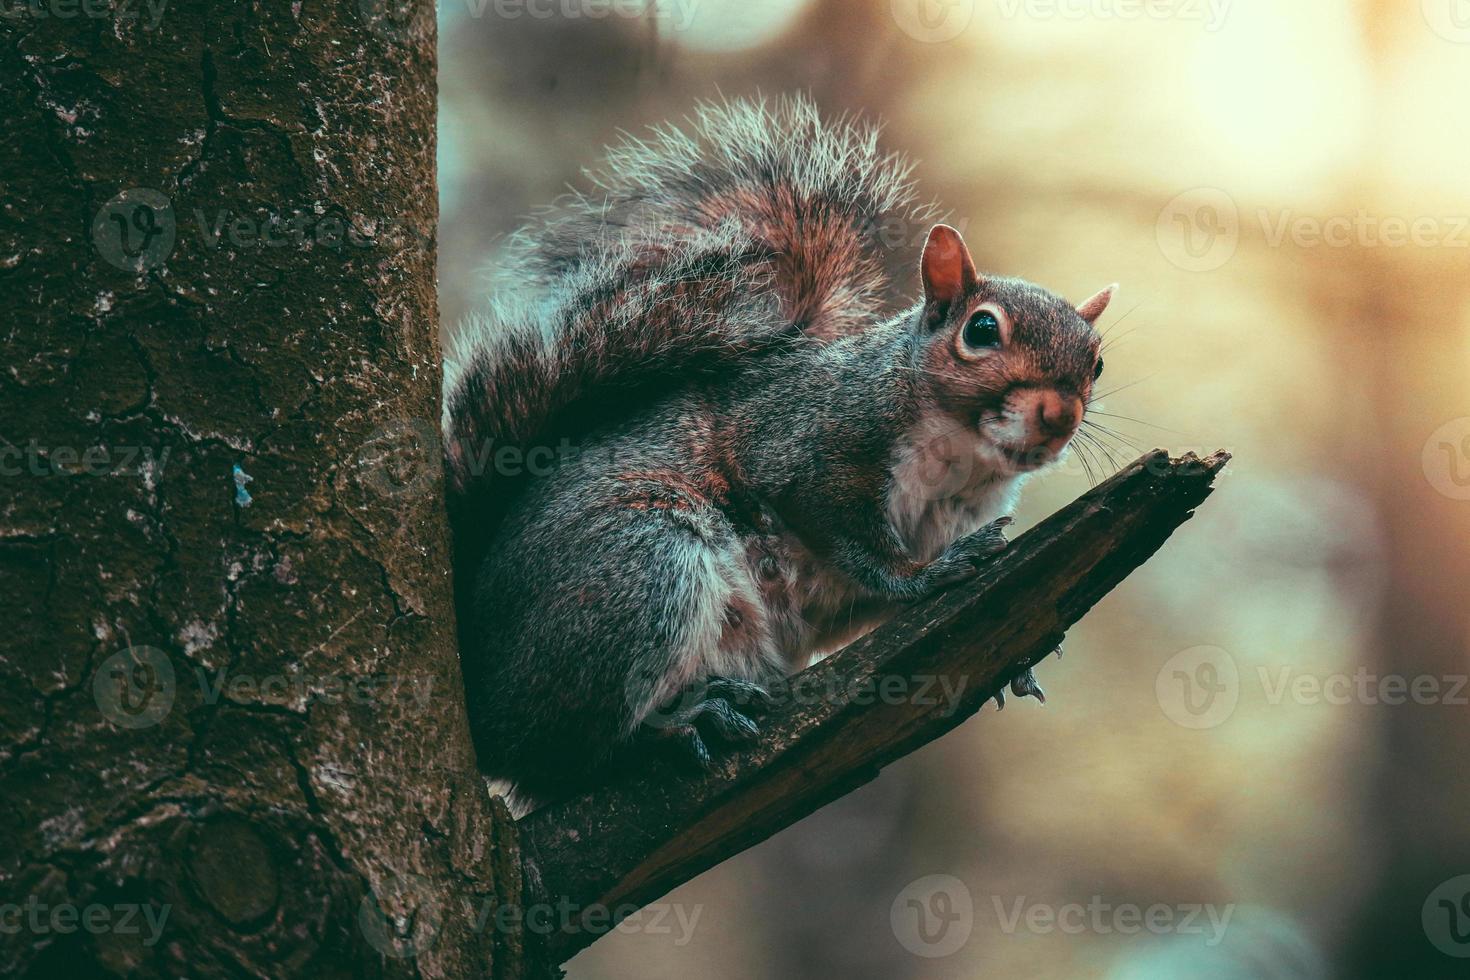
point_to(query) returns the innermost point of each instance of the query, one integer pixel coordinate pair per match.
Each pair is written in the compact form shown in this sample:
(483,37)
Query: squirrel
(689,448)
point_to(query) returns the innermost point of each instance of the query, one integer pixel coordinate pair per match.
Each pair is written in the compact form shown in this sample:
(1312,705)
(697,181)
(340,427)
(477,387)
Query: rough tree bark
(231,729)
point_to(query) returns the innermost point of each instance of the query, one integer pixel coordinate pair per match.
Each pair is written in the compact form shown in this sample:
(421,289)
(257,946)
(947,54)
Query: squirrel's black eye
(983,330)
(1097,371)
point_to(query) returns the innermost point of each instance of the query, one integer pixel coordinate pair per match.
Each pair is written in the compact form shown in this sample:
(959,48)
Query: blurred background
(1253,761)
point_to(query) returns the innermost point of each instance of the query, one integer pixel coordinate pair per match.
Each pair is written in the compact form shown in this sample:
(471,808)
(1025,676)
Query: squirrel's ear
(948,270)
(1093,307)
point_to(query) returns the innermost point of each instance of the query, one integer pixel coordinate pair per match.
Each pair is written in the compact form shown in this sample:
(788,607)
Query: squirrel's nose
(1059,414)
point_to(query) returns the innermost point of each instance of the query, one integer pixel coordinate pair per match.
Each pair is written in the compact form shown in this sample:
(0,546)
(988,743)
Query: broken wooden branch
(603,855)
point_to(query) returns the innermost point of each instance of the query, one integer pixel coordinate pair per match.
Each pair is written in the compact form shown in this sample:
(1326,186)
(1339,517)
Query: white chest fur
(944,487)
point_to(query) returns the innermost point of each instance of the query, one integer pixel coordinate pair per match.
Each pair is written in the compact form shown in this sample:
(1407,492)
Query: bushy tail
(760,224)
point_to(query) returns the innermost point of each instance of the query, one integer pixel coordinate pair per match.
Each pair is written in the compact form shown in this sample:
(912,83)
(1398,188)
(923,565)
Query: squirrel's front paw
(963,559)
(715,710)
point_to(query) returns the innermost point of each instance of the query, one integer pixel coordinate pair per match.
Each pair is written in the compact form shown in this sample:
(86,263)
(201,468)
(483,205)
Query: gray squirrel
(688,448)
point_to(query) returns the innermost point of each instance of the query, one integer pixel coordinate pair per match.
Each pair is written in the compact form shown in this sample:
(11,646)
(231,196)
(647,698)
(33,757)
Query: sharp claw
(727,723)
(1024,685)
(693,746)
(1058,651)
(1000,699)
(746,694)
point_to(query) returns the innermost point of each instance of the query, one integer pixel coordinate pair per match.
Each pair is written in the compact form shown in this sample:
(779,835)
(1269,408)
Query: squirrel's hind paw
(720,715)
(749,696)
(1023,685)
(690,745)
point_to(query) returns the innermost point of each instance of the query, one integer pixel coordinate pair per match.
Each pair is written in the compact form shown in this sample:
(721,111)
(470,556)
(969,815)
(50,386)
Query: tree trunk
(231,725)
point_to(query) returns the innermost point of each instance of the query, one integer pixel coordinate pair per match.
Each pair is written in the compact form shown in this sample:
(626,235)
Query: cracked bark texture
(252,319)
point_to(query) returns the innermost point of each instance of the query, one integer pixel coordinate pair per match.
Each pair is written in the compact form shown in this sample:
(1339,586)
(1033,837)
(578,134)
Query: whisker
(1112,433)
(1117,464)
(1085,457)
(1082,459)
(1096,447)
(1090,463)
(1122,447)
(1106,394)
(1125,418)
(1114,325)
(1109,343)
